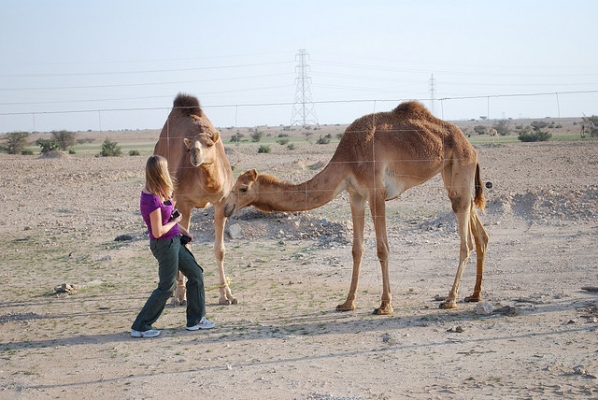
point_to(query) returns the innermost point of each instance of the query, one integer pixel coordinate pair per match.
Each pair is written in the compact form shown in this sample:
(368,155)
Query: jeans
(172,257)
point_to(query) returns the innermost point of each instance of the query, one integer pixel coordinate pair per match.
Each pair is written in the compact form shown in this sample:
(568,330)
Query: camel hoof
(234,301)
(178,302)
(224,302)
(383,311)
(447,305)
(473,299)
(345,307)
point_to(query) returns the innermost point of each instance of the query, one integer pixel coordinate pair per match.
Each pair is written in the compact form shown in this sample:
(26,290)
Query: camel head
(201,147)
(243,194)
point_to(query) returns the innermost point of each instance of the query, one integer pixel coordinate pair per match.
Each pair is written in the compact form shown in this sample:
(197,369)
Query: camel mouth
(229,210)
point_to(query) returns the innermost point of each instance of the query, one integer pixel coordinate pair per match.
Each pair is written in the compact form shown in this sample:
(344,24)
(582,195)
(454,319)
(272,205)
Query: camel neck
(278,195)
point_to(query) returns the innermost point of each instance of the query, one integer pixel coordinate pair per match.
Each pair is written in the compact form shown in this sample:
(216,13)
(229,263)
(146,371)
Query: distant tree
(65,139)
(591,124)
(264,149)
(480,129)
(15,142)
(502,127)
(256,136)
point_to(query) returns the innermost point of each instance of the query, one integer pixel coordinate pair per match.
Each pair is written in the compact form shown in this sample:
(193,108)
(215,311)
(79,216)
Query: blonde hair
(157,177)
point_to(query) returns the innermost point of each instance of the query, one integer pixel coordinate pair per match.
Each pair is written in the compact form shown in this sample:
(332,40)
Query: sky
(118,65)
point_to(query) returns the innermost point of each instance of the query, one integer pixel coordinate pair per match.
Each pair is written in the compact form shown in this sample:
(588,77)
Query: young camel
(202,173)
(379,157)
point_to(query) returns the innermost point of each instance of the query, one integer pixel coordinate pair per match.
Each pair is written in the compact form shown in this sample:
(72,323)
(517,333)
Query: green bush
(264,149)
(110,149)
(282,141)
(47,145)
(15,142)
(535,136)
(133,153)
(291,146)
(27,152)
(323,140)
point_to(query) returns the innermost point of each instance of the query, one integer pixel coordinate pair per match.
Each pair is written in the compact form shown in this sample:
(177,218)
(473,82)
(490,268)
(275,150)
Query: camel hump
(187,105)
(411,109)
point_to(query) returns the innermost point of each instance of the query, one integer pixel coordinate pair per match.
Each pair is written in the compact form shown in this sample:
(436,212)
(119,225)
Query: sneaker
(203,324)
(146,334)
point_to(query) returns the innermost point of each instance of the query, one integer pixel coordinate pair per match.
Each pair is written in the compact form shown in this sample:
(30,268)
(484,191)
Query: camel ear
(252,173)
(186,141)
(216,136)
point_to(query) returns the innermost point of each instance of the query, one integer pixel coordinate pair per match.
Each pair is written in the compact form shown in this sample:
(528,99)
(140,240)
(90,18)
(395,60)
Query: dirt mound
(547,204)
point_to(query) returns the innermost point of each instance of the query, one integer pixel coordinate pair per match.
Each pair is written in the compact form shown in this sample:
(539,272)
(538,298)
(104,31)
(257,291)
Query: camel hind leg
(481,244)
(458,179)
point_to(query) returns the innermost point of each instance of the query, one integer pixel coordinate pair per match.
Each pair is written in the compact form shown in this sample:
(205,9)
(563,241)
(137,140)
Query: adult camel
(379,157)
(202,173)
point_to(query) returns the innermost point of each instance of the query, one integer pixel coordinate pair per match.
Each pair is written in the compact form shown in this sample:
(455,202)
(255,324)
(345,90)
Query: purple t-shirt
(149,203)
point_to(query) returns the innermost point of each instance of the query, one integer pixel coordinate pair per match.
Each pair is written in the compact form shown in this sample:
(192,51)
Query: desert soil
(284,340)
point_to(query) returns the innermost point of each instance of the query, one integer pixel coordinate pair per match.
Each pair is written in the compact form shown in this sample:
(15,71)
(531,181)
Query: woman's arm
(185,232)
(156,221)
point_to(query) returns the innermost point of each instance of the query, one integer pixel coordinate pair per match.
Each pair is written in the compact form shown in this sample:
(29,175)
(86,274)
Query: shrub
(26,152)
(323,140)
(15,142)
(283,141)
(535,136)
(291,146)
(47,145)
(133,153)
(110,149)
(236,137)
(264,149)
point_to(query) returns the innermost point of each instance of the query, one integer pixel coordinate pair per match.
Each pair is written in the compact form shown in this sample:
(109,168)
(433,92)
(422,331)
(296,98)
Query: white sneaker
(203,324)
(146,334)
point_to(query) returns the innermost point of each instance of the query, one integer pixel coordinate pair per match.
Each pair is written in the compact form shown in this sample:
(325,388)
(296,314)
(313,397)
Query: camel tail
(479,198)
(186,104)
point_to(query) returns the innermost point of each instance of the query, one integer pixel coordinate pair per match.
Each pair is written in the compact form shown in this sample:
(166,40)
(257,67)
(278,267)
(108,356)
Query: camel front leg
(378,210)
(358,216)
(226,296)
(180,291)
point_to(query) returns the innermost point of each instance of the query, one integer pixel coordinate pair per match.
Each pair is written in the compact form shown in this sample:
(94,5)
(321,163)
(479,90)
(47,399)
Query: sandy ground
(284,340)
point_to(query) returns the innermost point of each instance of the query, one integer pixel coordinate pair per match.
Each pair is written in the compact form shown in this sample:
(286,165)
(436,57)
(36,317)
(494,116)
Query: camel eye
(243,190)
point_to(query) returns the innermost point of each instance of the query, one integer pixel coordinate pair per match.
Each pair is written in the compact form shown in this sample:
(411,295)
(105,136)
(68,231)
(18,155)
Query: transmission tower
(432,84)
(303,106)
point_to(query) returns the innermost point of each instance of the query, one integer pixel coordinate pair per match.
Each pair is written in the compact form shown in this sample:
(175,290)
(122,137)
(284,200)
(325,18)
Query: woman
(165,242)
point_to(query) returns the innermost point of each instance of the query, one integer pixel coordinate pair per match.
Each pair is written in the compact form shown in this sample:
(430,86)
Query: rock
(235,231)
(484,308)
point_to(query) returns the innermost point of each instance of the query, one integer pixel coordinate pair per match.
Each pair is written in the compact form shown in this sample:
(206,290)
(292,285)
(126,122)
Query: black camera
(185,239)
(175,214)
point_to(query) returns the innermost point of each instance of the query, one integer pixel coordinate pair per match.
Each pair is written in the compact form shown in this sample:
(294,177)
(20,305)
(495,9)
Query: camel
(380,156)
(202,174)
